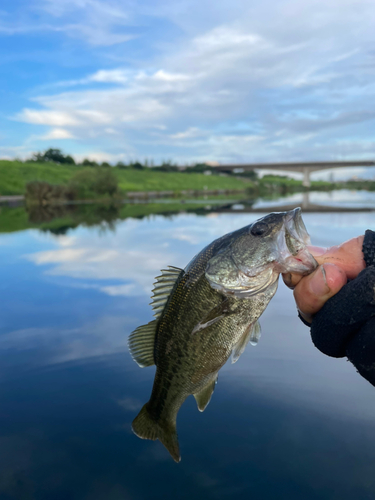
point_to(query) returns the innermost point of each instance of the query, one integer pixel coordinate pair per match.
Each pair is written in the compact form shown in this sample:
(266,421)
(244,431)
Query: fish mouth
(296,228)
(294,238)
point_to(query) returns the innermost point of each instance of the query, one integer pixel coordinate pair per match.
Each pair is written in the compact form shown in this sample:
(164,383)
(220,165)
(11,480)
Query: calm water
(284,422)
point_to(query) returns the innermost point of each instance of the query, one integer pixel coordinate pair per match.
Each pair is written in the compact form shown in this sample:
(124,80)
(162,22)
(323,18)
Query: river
(284,422)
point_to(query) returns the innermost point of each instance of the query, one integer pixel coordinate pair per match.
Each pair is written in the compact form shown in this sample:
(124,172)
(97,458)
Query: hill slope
(15,175)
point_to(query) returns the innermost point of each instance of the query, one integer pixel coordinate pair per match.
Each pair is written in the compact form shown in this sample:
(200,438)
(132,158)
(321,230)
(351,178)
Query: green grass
(147,180)
(15,175)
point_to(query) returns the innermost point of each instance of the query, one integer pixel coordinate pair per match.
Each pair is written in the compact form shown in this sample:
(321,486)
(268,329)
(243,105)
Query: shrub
(89,183)
(43,193)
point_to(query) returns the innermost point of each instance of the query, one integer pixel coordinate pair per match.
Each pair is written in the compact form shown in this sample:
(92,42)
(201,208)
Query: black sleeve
(345,326)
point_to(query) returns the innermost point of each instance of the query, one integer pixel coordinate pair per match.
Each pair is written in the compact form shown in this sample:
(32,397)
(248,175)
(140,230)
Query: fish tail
(145,427)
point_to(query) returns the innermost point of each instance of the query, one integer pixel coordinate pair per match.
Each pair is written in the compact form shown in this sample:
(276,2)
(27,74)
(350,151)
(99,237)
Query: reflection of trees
(39,214)
(58,219)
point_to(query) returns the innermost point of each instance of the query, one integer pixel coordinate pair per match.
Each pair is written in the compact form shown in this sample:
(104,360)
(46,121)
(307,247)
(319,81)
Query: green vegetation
(42,193)
(149,180)
(89,180)
(58,219)
(14,175)
(280,185)
(360,184)
(93,183)
(52,155)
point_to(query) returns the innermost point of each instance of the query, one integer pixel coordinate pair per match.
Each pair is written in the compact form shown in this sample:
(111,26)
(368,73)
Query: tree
(69,160)
(89,163)
(53,155)
(137,165)
(121,164)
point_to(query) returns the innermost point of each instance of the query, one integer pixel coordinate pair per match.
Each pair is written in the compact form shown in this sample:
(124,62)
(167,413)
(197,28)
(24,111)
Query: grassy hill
(149,180)
(15,175)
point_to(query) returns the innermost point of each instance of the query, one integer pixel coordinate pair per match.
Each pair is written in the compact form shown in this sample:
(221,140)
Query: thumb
(314,290)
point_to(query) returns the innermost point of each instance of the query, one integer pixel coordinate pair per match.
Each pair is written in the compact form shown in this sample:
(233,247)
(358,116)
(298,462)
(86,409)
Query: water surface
(284,422)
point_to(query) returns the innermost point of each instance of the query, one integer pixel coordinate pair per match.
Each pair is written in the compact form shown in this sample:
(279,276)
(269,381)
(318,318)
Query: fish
(208,312)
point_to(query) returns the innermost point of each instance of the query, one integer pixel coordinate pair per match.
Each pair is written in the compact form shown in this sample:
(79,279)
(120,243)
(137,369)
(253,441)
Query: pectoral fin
(215,315)
(251,334)
(204,396)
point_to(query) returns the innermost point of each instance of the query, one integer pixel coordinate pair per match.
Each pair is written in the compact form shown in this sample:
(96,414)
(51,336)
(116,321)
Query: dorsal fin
(203,397)
(252,334)
(141,344)
(163,287)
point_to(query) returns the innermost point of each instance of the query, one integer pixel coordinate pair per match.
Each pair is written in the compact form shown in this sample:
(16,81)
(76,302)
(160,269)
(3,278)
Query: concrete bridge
(303,167)
(246,206)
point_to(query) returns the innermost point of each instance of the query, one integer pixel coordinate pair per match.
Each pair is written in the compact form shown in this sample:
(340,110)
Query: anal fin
(204,396)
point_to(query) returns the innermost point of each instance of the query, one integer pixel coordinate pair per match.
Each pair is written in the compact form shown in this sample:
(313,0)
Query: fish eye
(259,229)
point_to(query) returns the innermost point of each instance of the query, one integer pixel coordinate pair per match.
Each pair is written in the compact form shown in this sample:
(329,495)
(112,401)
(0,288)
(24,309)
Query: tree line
(56,156)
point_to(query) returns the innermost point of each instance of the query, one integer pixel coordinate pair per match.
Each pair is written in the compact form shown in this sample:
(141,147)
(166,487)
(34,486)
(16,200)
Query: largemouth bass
(208,312)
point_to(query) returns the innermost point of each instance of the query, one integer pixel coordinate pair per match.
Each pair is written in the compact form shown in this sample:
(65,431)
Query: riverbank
(15,175)
(146,183)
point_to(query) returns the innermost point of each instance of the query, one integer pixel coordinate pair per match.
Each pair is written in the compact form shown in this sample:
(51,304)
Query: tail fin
(146,428)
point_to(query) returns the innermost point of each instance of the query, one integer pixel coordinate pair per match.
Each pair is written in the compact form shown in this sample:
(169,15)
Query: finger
(292,279)
(348,256)
(314,290)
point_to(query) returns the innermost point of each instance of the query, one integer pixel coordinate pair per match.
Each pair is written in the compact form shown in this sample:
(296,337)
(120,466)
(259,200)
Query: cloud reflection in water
(284,422)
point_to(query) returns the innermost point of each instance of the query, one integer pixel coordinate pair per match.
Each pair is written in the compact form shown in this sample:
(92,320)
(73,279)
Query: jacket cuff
(368,248)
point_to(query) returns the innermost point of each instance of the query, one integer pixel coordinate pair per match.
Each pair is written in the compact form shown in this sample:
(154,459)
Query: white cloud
(53,256)
(54,118)
(189,133)
(164,76)
(57,133)
(105,336)
(109,76)
(100,156)
(126,290)
(296,82)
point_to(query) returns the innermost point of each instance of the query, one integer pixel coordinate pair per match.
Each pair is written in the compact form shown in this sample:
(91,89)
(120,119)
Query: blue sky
(227,81)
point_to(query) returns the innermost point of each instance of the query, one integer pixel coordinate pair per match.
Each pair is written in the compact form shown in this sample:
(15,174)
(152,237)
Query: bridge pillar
(306,177)
(305,200)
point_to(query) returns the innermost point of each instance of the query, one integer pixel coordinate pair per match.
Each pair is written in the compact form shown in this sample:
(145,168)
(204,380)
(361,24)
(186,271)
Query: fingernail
(288,279)
(316,251)
(318,283)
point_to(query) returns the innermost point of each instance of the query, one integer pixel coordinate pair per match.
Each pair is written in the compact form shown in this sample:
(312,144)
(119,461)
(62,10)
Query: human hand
(337,264)
(341,313)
